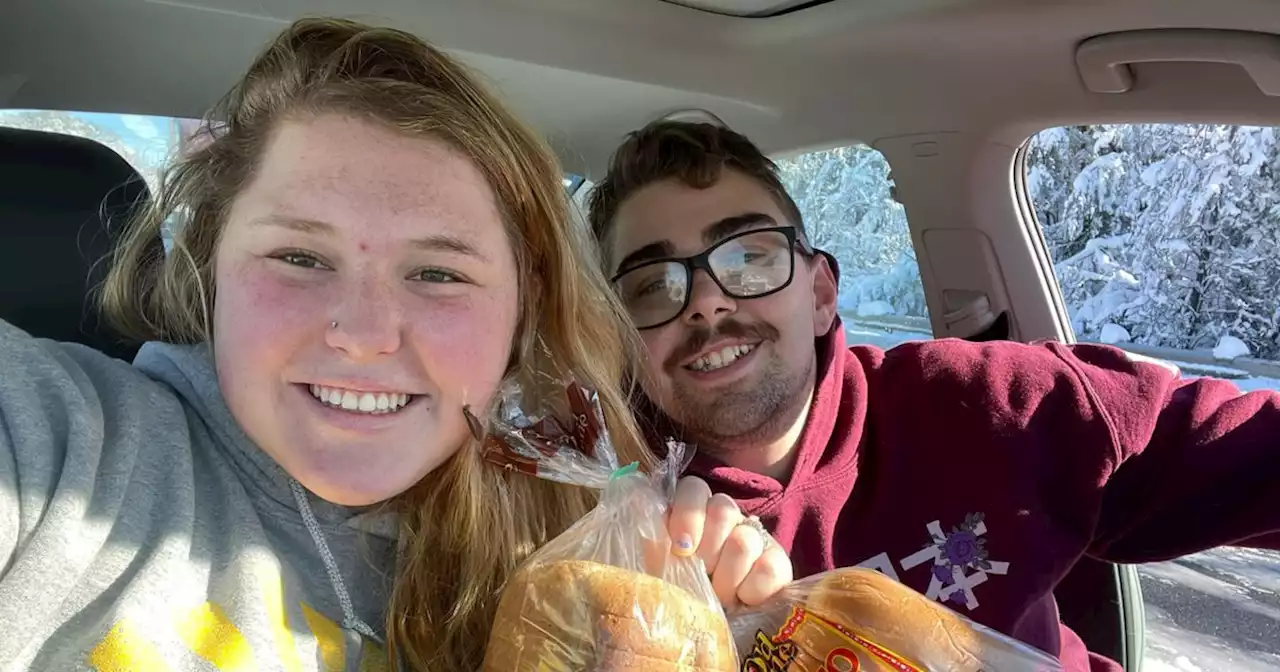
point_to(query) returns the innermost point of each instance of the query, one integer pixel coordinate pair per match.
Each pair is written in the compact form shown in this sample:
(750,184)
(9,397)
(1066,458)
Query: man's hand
(745,564)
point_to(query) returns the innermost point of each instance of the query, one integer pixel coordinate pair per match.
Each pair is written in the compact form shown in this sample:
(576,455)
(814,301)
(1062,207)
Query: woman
(369,245)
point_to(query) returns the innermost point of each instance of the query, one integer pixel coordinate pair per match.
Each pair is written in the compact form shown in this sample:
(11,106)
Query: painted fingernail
(684,545)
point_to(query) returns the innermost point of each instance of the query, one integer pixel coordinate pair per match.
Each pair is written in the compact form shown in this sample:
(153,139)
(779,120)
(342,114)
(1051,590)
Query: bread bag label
(809,643)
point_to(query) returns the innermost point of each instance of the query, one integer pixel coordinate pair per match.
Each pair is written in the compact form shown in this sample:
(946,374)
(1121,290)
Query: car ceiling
(584,72)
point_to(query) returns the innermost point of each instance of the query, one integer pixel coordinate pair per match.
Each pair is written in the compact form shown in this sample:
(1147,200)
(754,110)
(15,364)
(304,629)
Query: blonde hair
(466,526)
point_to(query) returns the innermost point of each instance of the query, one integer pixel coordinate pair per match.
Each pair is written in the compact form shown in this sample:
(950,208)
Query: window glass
(846,198)
(146,143)
(1166,242)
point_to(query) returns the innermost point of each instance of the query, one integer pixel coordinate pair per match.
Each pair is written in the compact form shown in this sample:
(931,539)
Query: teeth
(361,402)
(720,358)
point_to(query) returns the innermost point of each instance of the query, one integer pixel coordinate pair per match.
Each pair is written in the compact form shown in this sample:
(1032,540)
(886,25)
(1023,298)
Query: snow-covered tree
(1163,234)
(846,198)
(1167,232)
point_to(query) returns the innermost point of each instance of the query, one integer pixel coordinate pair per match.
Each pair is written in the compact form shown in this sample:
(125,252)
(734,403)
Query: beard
(749,412)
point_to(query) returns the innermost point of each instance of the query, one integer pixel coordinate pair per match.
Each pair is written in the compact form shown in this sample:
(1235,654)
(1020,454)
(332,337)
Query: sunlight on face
(398,240)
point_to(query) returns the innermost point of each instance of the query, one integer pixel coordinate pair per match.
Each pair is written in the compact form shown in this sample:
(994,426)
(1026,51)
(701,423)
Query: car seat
(64,200)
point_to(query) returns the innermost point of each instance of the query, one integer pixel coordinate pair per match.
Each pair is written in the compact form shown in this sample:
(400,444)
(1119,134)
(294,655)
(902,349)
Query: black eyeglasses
(746,265)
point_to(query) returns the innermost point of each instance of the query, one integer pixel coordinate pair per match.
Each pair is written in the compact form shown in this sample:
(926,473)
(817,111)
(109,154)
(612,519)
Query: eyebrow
(731,225)
(659,250)
(711,235)
(296,224)
(441,242)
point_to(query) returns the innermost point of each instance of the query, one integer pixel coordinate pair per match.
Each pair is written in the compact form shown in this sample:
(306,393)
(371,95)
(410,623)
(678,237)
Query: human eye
(437,276)
(744,255)
(753,249)
(651,287)
(299,259)
(645,281)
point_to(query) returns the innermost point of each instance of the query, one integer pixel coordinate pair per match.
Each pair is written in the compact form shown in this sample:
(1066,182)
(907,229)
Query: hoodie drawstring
(349,619)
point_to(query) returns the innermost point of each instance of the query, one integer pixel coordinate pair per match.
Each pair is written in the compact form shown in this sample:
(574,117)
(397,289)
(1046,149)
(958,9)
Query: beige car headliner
(586,71)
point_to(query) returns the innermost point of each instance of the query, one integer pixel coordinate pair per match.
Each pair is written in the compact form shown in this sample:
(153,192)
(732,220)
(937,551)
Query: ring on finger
(754,523)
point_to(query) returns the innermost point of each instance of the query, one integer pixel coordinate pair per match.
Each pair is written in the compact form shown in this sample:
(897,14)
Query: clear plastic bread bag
(607,594)
(859,619)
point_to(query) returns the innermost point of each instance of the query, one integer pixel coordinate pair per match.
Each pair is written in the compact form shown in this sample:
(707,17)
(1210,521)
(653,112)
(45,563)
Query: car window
(146,142)
(846,198)
(1165,240)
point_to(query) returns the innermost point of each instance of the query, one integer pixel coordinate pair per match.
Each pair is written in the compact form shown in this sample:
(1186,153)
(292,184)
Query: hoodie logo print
(208,632)
(960,561)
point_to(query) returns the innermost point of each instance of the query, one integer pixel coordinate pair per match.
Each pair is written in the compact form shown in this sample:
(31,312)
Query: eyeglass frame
(702,261)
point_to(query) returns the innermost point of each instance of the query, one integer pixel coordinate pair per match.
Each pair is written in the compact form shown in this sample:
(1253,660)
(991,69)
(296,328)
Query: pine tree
(846,198)
(1166,231)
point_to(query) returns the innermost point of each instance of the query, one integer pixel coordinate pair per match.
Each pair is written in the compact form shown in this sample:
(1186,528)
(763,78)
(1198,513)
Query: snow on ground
(1251,384)
(856,334)
(874,309)
(1114,333)
(1181,664)
(1230,347)
(1194,369)
(1173,649)
(1251,570)
(1216,610)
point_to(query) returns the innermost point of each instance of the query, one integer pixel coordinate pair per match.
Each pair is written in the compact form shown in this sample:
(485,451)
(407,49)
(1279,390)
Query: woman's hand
(746,566)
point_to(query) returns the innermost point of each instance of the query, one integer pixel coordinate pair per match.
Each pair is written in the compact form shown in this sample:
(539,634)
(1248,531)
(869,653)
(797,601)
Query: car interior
(51,186)
(949,91)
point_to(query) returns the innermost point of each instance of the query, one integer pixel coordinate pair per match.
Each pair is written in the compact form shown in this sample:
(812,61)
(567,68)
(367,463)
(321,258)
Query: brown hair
(692,152)
(465,527)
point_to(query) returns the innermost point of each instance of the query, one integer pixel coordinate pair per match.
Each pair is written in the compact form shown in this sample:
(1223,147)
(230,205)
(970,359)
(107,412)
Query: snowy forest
(1165,235)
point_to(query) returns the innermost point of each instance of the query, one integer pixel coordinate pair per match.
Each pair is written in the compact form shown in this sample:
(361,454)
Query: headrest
(63,202)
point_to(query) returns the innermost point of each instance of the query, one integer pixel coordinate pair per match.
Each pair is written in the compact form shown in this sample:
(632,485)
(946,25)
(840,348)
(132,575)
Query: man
(977,474)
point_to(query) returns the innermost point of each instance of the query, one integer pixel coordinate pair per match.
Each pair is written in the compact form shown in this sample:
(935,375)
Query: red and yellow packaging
(859,620)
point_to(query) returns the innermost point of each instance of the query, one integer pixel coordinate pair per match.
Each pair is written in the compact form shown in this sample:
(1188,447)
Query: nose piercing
(333,324)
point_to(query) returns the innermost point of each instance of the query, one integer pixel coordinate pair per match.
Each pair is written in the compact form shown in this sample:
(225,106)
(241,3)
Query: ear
(825,293)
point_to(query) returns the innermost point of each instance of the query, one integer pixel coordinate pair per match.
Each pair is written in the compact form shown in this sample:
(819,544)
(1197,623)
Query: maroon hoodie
(978,474)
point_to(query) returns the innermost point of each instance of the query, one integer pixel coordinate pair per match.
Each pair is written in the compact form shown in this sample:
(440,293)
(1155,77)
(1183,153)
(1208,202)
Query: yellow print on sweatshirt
(208,633)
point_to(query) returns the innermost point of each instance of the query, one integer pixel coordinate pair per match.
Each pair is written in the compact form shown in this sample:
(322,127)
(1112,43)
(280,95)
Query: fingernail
(684,545)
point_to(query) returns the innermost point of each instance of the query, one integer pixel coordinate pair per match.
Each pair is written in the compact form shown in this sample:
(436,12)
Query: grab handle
(1104,61)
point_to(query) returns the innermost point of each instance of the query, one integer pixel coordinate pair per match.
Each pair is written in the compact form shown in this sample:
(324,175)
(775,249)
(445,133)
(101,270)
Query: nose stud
(333,324)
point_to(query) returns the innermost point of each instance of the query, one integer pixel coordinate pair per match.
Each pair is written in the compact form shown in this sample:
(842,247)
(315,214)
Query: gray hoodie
(141,529)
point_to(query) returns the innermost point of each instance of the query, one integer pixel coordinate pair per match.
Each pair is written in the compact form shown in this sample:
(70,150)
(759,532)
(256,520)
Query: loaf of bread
(576,615)
(860,619)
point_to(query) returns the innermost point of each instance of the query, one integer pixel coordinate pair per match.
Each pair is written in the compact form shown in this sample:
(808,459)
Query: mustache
(699,337)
